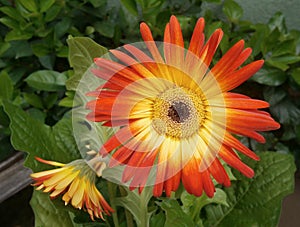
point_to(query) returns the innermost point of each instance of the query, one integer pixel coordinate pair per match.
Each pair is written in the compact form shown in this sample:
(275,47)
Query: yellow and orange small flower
(76,182)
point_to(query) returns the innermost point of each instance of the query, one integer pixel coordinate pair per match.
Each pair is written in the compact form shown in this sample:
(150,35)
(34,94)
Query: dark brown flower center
(178,112)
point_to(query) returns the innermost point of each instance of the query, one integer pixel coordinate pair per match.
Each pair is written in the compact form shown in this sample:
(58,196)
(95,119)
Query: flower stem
(128,215)
(144,209)
(112,193)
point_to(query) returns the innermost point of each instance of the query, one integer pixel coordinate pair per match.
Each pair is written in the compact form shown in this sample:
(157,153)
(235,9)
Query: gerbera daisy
(174,116)
(76,181)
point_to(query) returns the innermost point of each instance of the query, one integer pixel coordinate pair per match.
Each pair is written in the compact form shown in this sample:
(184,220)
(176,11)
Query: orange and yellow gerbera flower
(174,116)
(76,181)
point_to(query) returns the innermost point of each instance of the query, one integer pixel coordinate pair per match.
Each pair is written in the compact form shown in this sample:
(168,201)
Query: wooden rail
(13,176)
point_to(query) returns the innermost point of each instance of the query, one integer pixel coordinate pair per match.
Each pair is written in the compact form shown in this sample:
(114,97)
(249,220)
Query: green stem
(128,215)
(112,194)
(107,222)
(199,204)
(144,209)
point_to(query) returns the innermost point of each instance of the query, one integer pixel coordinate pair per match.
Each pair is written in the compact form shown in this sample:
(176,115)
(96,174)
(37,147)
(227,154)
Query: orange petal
(239,61)
(172,184)
(119,138)
(132,166)
(192,178)
(140,178)
(228,59)
(230,141)
(218,172)
(175,32)
(210,47)
(231,159)
(138,54)
(147,37)
(49,162)
(253,120)
(208,185)
(143,72)
(236,78)
(167,46)
(243,103)
(176,49)
(121,156)
(248,133)
(197,39)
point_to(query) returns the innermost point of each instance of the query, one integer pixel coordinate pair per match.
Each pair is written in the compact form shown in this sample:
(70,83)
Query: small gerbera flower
(174,116)
(76,181)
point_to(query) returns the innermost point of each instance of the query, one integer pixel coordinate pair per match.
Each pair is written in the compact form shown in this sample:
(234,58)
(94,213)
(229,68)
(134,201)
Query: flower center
(178,112)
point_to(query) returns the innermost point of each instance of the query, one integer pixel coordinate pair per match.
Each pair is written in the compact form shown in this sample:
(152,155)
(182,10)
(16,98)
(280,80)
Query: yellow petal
(48,188)
(66,197)
(46,173)
(56,192)
(66,181)
(58,177)
(93,195)
(73,187)
(40,187)
(78,195)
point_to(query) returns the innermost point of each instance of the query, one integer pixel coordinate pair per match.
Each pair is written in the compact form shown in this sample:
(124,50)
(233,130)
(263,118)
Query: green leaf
(47,214)
(232,10)
(30,5)
(105,28)
(37,114)
(271,42)
(192,205)
(278,21)
(286,112)
(137,204)
(50,100)
(158,220)
(283,62)
(6,86)
(82,52)
(269,76)
(17,34)
(62,27)
(47,61)
(274,95)
(281,148)
(257,201)
(285,47)
(20,48)
(52,13)
(4,46)
(12,13)
(41,48)
(175,217)
(296,75)
(68,101)
(130,5)
(47,80)
(33,100)
(288,133)
(45,5)
(97,3)
(257,41)
(11,23)
(297,131)
(30,135)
